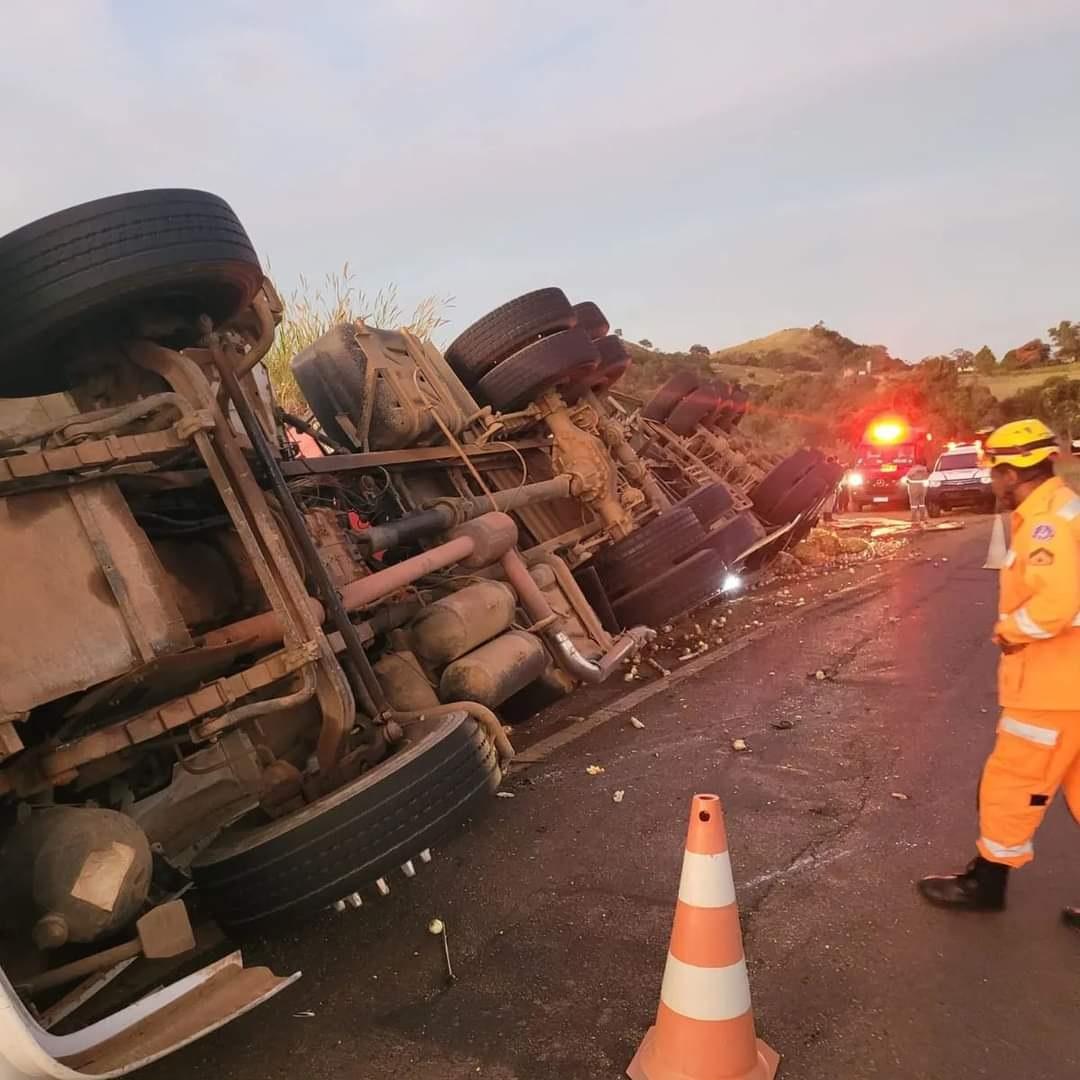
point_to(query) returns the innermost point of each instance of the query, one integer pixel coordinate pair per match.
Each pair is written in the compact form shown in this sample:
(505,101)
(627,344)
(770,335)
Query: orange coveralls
(1038,736)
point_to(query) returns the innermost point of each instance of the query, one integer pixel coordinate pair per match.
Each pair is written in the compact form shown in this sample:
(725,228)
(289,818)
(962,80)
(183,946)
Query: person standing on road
(918,480)
(1038,631)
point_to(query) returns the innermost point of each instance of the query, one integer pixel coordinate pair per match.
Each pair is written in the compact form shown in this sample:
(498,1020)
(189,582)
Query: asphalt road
(559,902)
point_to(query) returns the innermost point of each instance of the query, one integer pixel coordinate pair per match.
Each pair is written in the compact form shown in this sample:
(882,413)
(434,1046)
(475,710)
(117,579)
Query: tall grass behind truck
(271,678)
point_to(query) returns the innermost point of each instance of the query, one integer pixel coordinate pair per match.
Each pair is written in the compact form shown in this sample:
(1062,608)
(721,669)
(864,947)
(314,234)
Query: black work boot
(980,888)
(1071,915)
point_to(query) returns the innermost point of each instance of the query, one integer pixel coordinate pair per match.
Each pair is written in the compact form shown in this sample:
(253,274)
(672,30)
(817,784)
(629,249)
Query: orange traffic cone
(998,551)
(705,1025)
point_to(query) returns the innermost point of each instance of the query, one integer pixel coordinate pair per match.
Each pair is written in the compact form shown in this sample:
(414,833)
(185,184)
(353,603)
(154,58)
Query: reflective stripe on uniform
(1041,735)
(1003,851)
(1029,626)
(1010,558)
(1071,510)
(1076,621)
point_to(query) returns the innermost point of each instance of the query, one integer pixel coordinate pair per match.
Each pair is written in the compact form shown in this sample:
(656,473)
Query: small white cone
(995,554)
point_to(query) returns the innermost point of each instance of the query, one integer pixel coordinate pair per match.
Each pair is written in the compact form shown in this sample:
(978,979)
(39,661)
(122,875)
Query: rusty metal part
(257,710)
(566,653)
(329,538)
(495,671)
(491,535)
(614,436)
(267,309)
(74,874)
(403,679)
(367,687)
(58,765)
(447,512)
(164,931)
(458,623)
(436,457)
(93,459)
(368,591)
(480,713)
(10,742)
(85,592)
(582,455)
(263,544)
(571,590)
(257,632)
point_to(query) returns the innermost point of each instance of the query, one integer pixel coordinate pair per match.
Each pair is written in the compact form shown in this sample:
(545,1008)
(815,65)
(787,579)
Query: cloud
(654,154)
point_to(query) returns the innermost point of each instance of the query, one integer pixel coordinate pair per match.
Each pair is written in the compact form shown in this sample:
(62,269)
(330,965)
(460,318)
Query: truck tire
(502,332)
(697,407)
(552,361)
(332,375)
(614,363)
(593,590)
(651,549)
(592,320)
(781,479)
(732,539)
(678,590)
(801,497)
(709,503)
(303,862)
(725,410)
(669,395)
(92,268)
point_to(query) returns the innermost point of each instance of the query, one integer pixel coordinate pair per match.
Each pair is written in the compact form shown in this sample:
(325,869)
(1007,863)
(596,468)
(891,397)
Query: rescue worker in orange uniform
(1038,631)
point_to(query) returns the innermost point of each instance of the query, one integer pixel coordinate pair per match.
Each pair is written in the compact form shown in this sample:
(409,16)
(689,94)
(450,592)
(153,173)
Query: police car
(959,481)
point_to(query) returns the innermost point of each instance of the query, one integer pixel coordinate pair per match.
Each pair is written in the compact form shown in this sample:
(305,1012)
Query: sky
(707,171)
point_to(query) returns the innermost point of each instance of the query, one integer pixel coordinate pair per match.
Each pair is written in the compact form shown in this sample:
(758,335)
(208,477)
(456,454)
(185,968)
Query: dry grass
(1010,382)
(311,312)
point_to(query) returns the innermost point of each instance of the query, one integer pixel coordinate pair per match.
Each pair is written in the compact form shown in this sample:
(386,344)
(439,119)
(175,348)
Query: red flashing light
(887,431)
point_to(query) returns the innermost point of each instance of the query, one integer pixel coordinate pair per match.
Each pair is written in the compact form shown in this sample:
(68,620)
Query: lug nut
(425,855)
(408,869)
(354,900)
(339,906)
(383,887)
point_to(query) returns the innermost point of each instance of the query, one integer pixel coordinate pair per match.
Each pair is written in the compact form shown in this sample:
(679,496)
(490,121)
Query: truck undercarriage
(267,681)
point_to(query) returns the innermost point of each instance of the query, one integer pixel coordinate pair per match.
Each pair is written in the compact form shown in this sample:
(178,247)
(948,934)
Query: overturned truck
(274,676)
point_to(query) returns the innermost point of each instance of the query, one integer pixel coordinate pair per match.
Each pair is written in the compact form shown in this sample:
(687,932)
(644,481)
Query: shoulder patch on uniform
(1041,557)
(1043,532)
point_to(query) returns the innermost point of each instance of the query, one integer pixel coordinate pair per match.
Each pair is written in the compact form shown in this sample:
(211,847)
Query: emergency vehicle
(958,481)
(889,448)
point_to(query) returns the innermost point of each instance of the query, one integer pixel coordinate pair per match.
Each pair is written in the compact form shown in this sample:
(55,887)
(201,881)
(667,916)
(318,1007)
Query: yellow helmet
(1021,443)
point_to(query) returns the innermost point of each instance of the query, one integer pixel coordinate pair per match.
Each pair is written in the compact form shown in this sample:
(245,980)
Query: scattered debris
(740,746)
(702,647)
(438,928)
(504,795)
(900,795)
(636,723)
(594,770)
(306,1014)
(783,724)
(618,796)
(657,667)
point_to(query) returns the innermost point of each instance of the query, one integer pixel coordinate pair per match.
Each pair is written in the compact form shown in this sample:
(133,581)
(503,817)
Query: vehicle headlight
(732,583)
(855,479)
(935,481)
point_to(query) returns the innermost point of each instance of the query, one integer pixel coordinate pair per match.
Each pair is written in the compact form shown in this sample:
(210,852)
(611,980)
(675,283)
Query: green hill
(763,361)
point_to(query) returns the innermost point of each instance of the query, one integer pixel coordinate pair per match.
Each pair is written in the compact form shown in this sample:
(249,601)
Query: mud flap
(160,1023)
